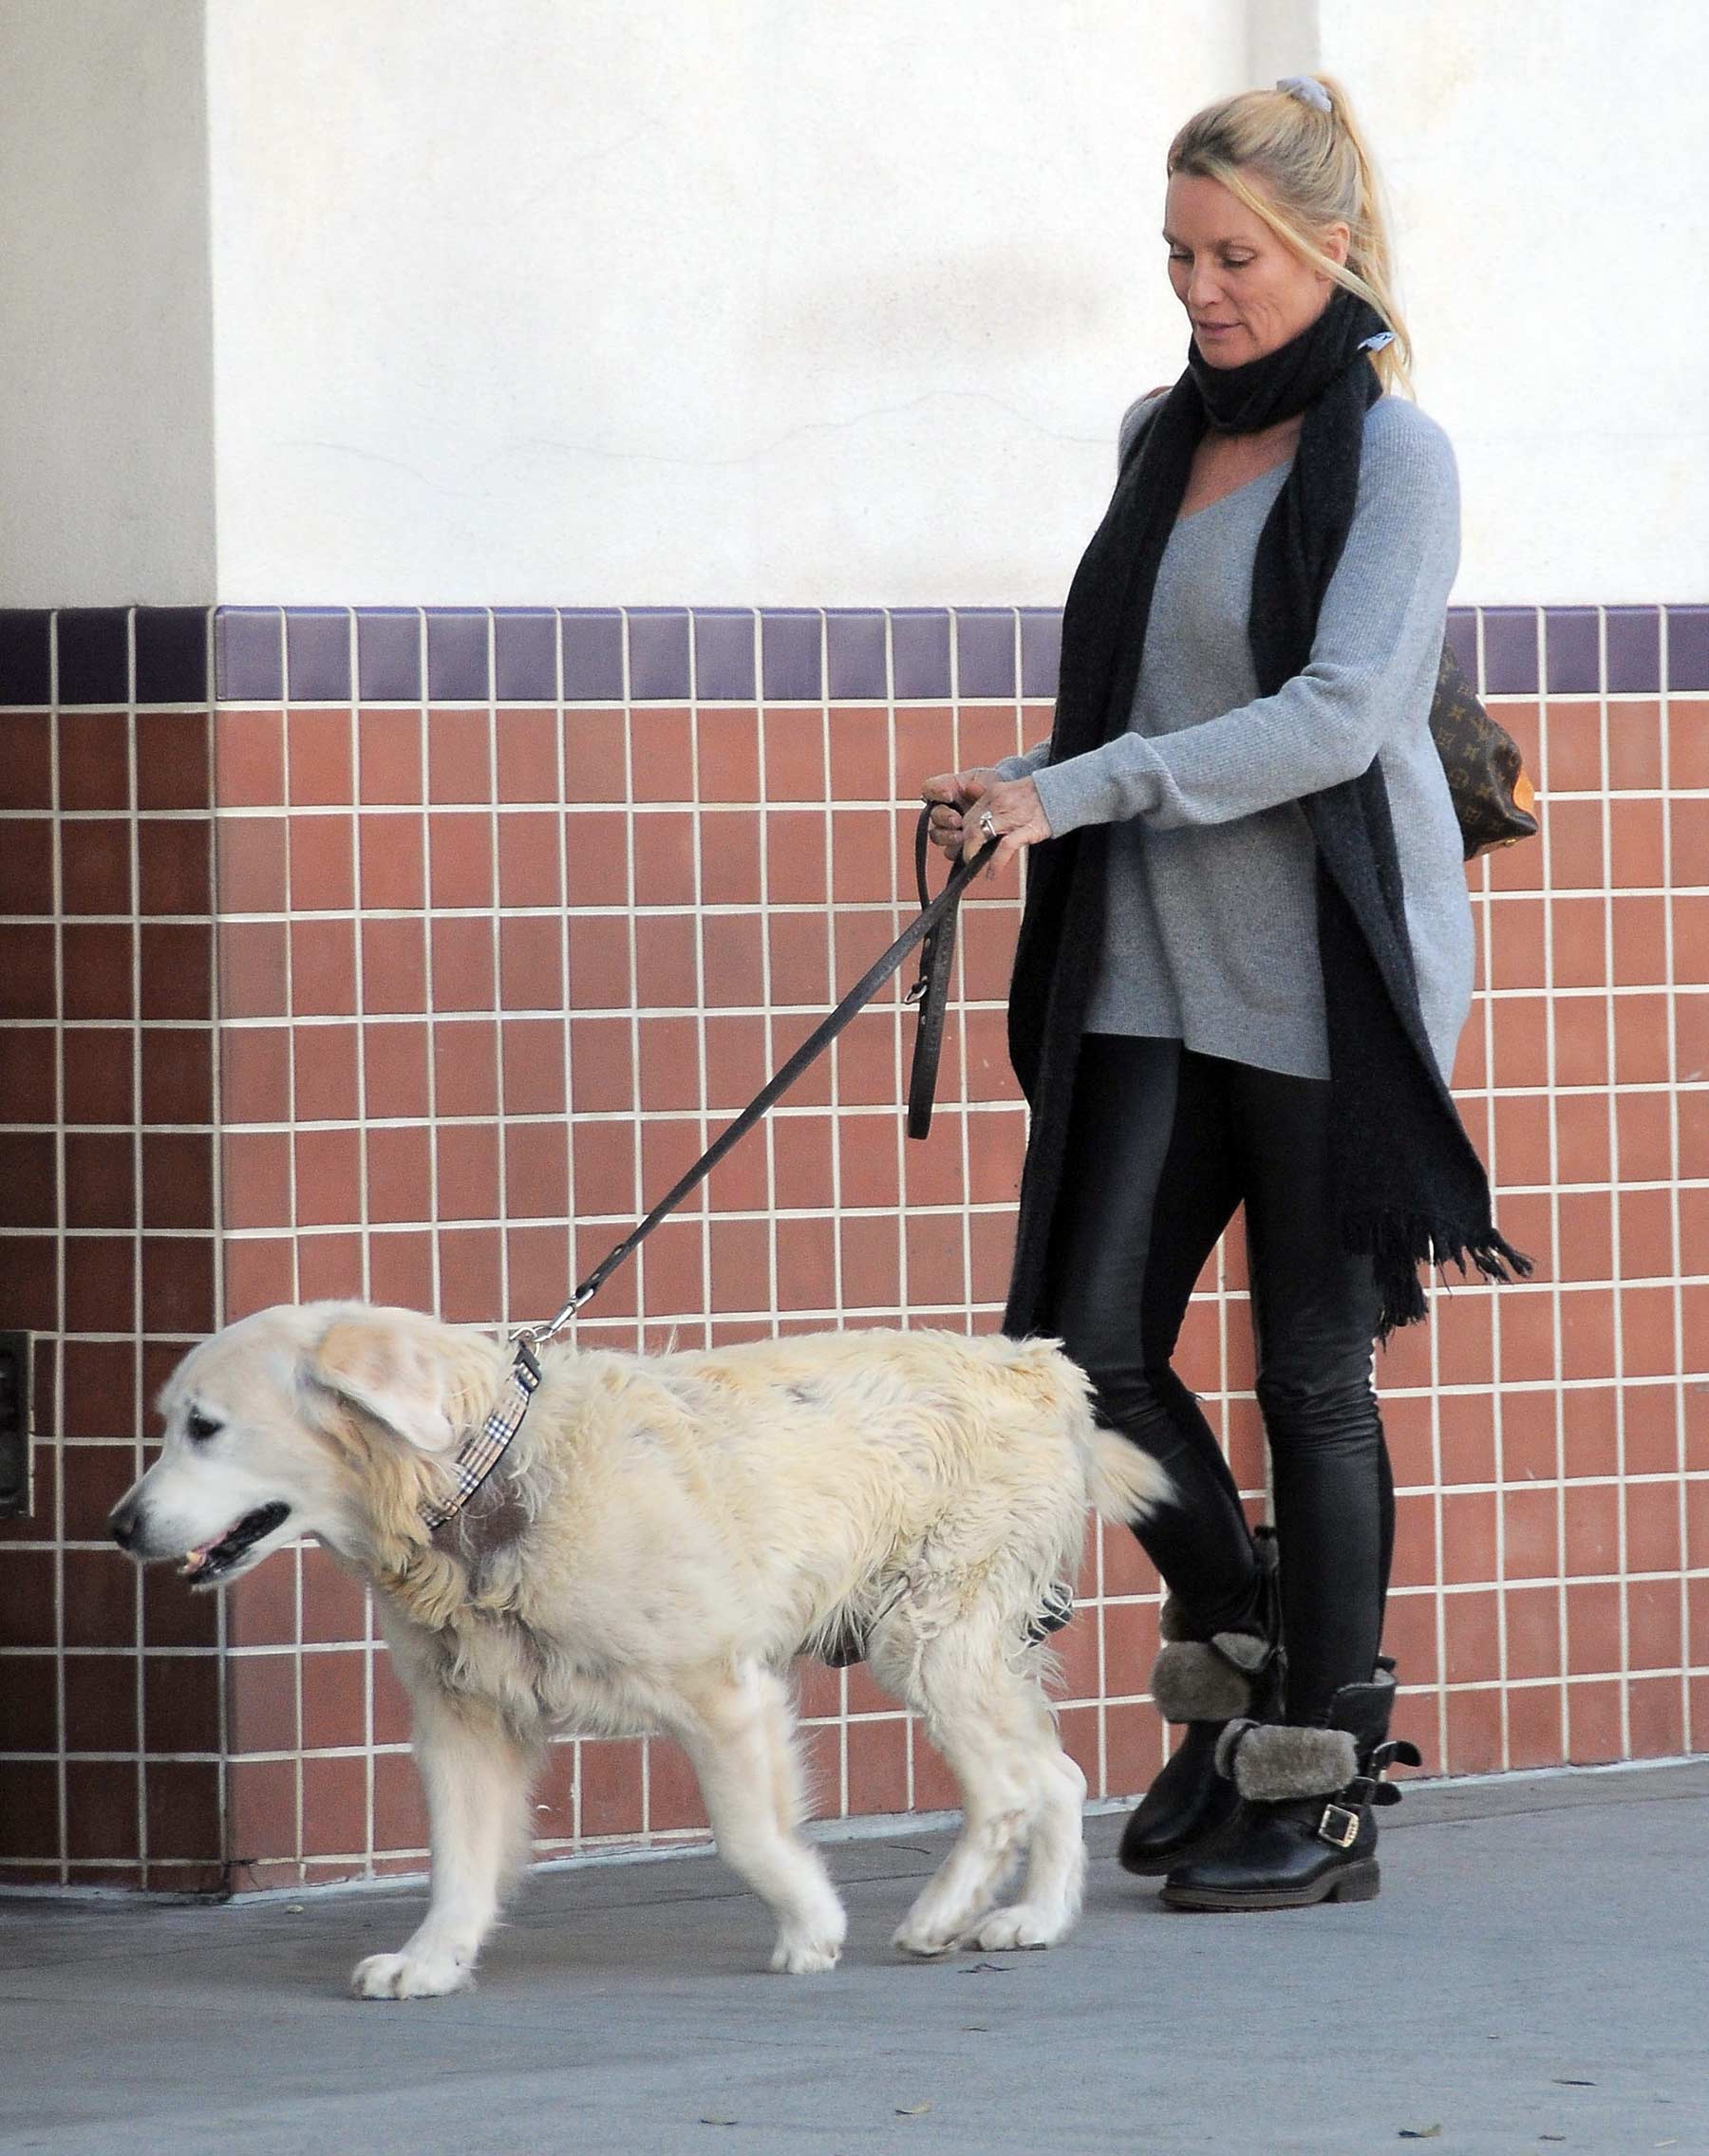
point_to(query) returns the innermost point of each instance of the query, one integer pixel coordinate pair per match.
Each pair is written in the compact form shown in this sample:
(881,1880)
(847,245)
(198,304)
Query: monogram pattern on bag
(1493,796)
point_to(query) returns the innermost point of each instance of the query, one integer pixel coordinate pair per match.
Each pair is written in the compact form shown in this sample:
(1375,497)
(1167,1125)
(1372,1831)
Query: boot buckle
(1339,1825)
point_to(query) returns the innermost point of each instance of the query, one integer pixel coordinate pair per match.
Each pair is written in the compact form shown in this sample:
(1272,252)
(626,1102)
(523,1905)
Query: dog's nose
(123,1522)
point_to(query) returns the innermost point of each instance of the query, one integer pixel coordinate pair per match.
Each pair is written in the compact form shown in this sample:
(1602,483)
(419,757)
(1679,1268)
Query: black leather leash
(930,991)
(933,930)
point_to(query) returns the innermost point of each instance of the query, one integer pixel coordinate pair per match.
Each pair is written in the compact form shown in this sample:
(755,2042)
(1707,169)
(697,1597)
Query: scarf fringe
(1399,1244)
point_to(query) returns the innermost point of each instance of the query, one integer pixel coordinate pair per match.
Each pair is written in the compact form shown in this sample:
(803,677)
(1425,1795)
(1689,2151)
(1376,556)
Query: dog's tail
(1124,1484)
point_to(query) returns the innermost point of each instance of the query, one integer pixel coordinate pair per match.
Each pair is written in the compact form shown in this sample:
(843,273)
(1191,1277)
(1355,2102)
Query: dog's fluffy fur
(665,1534)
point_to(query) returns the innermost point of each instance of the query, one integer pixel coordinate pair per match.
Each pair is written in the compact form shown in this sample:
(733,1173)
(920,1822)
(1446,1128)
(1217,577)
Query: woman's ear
(384,1365)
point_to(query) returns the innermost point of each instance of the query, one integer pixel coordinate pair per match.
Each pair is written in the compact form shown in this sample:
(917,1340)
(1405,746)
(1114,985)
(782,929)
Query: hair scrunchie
(1307,89)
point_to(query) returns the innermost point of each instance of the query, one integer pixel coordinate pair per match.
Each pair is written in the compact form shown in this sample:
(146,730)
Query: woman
(1243,968)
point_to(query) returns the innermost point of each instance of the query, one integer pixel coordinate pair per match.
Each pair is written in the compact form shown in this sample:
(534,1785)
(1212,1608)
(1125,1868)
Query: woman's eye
(200,1427)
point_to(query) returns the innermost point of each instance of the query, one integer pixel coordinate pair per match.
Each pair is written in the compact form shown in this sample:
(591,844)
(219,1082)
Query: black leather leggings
(1163,1144)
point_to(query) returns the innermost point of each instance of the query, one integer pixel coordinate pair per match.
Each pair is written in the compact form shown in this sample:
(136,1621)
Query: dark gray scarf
(1409,1187)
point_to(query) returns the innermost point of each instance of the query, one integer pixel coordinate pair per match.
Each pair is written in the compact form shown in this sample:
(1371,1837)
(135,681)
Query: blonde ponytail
(1315,170)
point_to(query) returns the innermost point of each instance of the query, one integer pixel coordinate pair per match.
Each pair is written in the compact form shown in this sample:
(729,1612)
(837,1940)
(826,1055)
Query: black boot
(1204,1684)
(1305,1830)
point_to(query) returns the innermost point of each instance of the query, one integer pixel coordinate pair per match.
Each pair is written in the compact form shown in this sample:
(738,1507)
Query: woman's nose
(1202,291)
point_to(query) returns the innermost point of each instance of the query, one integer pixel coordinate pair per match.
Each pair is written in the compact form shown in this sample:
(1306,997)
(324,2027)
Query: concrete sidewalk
(1535,1976)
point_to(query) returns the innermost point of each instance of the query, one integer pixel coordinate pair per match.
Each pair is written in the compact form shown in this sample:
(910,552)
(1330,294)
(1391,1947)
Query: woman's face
(1245,292)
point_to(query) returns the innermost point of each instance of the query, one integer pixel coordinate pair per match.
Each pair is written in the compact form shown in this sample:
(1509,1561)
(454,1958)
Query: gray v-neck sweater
(1211,914)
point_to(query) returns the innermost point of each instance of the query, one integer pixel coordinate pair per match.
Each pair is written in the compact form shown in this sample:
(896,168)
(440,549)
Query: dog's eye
(199,1427)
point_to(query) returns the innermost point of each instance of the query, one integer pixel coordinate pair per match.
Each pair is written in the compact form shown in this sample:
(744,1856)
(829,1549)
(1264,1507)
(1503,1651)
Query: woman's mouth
(1217,328)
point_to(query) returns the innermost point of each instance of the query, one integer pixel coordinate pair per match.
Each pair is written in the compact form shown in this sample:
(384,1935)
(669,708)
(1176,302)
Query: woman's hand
(950,792)
(964,799)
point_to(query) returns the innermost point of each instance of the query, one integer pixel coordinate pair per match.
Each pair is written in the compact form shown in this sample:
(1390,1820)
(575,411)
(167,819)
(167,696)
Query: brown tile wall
(486,972)
(111,1746)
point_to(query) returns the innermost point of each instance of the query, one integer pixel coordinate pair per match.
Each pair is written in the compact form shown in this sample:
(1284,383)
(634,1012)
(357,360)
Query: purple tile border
(849,653)
(658,654)
(249,655)
(317,654)
(524,655)
(854,655)
(1462,634)
(1574,652)
(1510,636)
(985,652)
(1634,651)
(458,665)
(724,654)
(172,654)
(389,654)
(25,656)
(592,638)
(94,655)
(1687,649)
(789,641)
(1040,651)
(920,653)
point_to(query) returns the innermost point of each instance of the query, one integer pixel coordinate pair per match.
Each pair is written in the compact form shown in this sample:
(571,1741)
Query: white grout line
(430,1020)
(61,1314)
(1553,1288)
(506,1312)
(222,1641)
(138,1357)
(833,1111)
(637,1197)
(364,1241)
(703,1197)
(1610,970)
(1675,1161)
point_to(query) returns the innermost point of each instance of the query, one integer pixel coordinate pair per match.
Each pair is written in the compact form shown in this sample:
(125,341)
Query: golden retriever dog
(663,1535)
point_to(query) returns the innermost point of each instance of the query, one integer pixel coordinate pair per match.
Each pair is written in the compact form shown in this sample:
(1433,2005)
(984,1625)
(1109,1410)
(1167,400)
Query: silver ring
(987,825)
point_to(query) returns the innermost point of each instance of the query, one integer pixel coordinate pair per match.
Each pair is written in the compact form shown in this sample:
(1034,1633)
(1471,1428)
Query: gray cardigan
(1210,920)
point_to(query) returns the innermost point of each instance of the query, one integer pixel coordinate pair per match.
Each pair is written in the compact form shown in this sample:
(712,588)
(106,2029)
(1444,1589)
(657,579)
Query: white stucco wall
(593,301)
(1549,173)
(676,300)
(106,473)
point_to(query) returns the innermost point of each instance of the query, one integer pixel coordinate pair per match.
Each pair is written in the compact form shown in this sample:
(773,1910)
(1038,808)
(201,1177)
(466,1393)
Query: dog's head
(301,1421)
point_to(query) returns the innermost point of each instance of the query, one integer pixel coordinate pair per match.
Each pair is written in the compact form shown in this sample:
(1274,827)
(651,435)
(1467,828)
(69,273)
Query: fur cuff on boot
(1192,1682)
(1269,1762)
(1204,1680)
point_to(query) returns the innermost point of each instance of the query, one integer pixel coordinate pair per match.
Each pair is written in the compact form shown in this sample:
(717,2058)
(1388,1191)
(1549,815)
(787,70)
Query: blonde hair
(1315,171)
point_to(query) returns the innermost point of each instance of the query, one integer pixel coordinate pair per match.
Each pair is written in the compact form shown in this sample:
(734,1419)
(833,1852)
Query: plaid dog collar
(480,1453)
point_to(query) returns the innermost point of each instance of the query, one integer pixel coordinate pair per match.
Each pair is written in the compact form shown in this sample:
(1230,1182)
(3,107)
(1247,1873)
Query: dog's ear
(385,1365)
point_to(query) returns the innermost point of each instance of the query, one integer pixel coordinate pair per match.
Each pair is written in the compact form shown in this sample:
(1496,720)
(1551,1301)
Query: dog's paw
(409,1976)
(809,1950)
(795,1957)
(926,1942)
(1005,1930)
